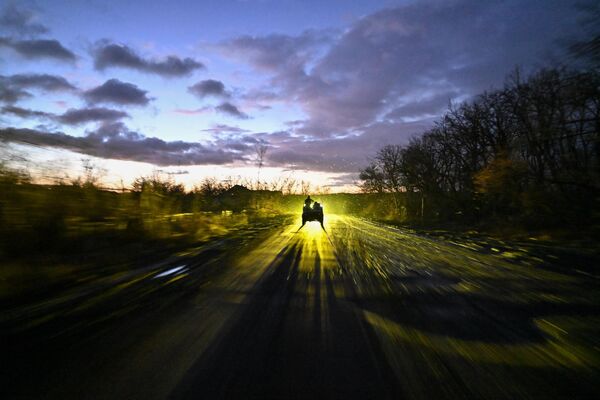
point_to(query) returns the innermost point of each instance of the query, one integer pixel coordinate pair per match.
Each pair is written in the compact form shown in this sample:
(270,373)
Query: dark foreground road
(360,311)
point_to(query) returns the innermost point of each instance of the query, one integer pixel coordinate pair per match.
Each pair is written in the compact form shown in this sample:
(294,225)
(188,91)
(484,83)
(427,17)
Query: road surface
(359,311)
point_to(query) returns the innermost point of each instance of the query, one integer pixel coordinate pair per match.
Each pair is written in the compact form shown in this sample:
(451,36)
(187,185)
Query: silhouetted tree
(529,150)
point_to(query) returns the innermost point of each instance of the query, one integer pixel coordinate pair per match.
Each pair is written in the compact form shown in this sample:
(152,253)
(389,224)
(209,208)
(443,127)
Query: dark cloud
(209,87)
(115,141)
(25,113)
(116,92)
(10,94)
(20,21)
(39,48)
(83,115)
(12,88)
(231,110)
(45,82)
(71,116)
(238,143)
(110,55)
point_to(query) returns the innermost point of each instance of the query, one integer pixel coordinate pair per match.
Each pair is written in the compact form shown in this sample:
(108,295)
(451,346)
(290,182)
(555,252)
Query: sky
(192,88)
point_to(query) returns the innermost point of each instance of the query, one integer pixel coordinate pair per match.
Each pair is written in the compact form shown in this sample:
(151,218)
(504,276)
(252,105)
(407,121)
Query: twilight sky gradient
(191,86)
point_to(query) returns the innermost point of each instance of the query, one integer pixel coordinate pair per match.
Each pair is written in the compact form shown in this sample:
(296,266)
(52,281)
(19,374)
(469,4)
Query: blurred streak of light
(177,270)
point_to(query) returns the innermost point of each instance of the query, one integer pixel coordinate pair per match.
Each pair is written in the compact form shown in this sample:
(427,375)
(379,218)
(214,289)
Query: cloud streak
(50,83)
(115,141)
(222,128)
(39,48)
(12,88)
(83,115)
(71,116)
(26,113)
(111,55)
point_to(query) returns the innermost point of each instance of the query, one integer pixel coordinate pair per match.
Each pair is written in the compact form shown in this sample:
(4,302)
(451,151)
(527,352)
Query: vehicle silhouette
(314,213)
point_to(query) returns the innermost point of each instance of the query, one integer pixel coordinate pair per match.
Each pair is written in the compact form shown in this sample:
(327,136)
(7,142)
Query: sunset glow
(192,87)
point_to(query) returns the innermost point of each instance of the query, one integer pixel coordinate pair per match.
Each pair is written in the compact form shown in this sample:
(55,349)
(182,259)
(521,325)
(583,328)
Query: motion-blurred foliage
(79,217)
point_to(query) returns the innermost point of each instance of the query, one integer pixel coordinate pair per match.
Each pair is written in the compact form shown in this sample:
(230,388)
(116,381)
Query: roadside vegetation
(526,157)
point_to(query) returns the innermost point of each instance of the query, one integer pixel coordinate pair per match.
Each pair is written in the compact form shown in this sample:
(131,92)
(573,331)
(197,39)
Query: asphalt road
(359,311)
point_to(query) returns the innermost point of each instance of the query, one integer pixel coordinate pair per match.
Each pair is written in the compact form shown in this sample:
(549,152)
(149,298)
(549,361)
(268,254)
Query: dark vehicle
(314,213)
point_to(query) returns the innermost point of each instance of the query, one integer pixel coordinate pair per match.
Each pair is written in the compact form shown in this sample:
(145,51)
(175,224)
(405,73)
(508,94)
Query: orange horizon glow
(53,165)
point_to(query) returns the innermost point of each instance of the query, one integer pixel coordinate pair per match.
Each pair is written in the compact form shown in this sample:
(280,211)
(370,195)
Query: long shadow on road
(296,337)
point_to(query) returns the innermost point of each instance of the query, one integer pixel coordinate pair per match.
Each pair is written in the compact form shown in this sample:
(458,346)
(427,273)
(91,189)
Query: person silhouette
(317,208)
(307,202)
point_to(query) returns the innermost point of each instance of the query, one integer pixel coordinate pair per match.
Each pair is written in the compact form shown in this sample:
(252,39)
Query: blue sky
(195,85)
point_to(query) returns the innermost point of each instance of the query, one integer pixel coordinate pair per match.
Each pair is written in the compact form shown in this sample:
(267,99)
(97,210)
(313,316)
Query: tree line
(527,153)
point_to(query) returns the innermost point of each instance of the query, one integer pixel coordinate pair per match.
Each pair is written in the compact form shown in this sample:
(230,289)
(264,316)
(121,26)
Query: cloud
(116,92)
(237,143)
(261,99)
(10,95)
(12,88)
(20,21)
(344,180)
(402,55)
(115,141)
(111,55)
(71,116)
(39,48)
(275,52)
(25,113)
(419,106)
(265,95)
(231,110)
(209,87)
(348,154)
(83,115)
(380,81)
(223,108)
(198,111)
(222,128)
(45,82)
